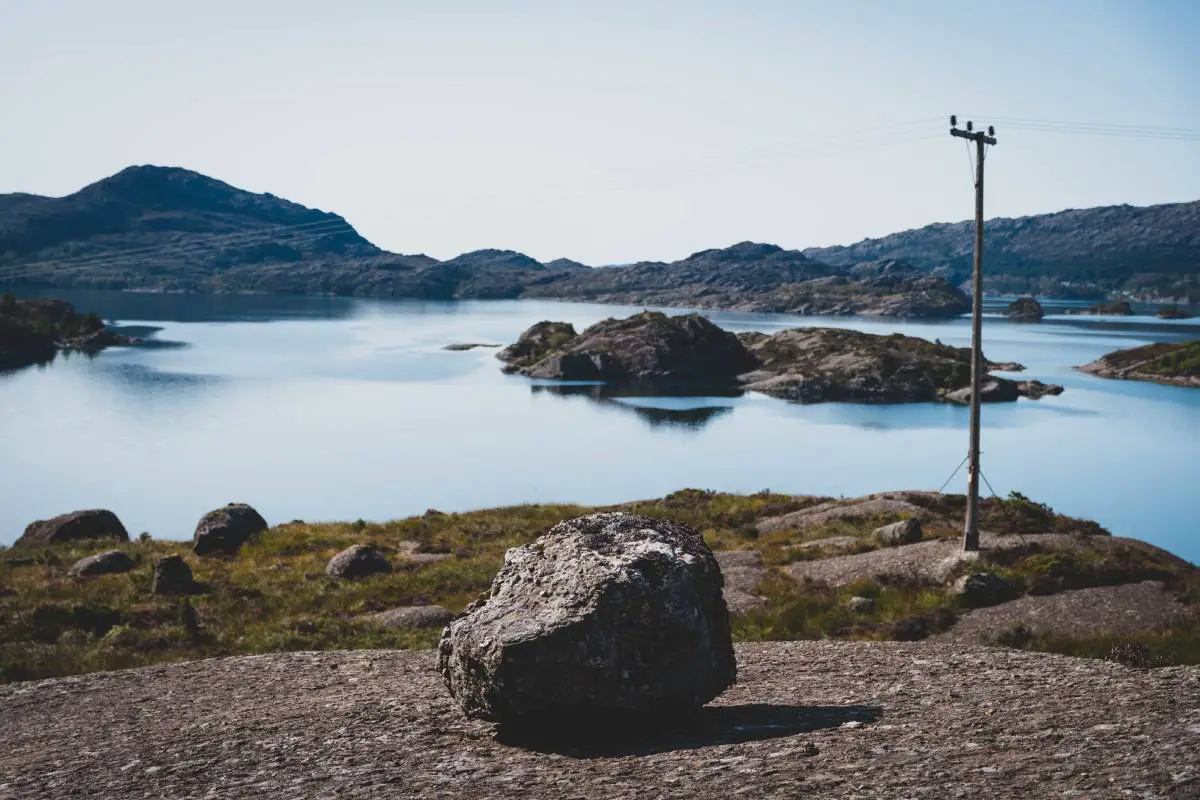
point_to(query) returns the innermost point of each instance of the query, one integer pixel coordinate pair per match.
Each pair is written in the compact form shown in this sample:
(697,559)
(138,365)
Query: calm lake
(338,409)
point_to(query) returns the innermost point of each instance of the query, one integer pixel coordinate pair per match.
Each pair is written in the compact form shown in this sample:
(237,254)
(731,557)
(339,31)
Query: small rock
(860,605)
(224,530)
(358,561)
(981,589)
(94,523)
(412,617)
(172,575)
(906,531)
(107,563)
(608,615)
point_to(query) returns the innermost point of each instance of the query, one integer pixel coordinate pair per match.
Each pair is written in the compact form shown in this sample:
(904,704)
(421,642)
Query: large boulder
(358,561)
(172,575)
(95,523)
(106,563)
(606,616)
(224,530)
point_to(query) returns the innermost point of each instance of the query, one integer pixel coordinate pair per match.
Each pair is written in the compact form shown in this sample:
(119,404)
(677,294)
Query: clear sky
(612,130)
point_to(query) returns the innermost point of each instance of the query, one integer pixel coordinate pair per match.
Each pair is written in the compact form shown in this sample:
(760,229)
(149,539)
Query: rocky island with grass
(34,331)
(659,352)
(1174,363)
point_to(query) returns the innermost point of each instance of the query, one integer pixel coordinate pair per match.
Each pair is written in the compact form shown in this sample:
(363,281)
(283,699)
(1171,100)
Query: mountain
(165,223)
(1092,252)
(167,228)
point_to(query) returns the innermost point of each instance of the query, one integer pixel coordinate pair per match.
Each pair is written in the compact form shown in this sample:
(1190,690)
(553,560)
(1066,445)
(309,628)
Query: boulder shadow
(711,725)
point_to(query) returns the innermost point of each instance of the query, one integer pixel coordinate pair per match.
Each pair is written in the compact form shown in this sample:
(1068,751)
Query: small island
(1117,308)
(1177,364)
(34,331)
(1025,309)
(1173,312)
(807,365)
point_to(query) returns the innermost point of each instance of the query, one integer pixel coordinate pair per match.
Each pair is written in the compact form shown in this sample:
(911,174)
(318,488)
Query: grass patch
(274,596)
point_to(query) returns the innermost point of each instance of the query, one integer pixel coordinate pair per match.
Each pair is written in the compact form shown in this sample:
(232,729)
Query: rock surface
(742,571)
(412,617)
(1126,609)
(106,563)
(172,575)
(223,531)
(96,523)
(1176,363)
(606,616)
(812,719)
(358,561)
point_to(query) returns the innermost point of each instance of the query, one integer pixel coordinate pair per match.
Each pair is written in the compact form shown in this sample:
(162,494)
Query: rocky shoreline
(1176,364)
(35,331)
(807,365)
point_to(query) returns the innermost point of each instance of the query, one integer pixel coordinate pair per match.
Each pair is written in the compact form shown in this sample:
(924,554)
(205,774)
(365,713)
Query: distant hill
(150,227)
(1089,252)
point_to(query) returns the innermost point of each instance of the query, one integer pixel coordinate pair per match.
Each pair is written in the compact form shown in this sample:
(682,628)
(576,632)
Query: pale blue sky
(606,131)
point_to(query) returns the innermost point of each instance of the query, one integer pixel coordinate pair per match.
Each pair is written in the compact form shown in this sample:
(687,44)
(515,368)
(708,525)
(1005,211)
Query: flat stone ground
(826,719)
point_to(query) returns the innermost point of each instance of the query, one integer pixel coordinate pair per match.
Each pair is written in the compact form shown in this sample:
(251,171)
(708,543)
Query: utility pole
(981,140)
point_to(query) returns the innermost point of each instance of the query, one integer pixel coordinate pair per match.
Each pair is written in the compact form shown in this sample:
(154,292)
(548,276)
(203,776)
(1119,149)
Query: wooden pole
(970,539)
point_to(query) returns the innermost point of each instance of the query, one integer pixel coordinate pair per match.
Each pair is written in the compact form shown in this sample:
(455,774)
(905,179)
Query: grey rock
(95,523)
(981,589)
(860,604)
(607,615)
(224,530)
(358,561)
(413,617)
(172,575)
(106,563)
(906,531)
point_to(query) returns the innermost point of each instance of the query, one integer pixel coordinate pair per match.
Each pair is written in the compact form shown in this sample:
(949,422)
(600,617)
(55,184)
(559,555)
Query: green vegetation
(274,596)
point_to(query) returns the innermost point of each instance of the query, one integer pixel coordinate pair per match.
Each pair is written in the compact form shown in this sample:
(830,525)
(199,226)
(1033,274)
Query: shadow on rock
(707,726)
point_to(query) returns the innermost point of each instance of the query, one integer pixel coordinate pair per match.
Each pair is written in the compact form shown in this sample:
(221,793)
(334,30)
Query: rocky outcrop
(808,365)
(358,561)
(750,276)
(172,575)
(980,589)
(1025,309)
(1174,312)
(1175,363)
(608,615)
(412,618)
(95,523)
(650,347)
(906,531)
(107,563)
(223,531)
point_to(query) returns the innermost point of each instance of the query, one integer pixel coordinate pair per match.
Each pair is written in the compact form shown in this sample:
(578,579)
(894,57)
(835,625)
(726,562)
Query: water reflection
(692,411)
